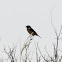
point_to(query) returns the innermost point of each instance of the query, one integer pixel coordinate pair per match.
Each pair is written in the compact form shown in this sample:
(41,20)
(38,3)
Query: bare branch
(41,53)
(49,55)
(51,12)
(60,31)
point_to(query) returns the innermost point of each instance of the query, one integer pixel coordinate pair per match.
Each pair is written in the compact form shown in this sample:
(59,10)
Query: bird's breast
(29,31)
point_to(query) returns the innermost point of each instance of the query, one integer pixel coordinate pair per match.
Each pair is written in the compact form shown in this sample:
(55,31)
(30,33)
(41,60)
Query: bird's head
(28,27)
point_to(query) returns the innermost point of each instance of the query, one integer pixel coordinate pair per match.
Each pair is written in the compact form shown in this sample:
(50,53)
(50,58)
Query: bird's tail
(39,36)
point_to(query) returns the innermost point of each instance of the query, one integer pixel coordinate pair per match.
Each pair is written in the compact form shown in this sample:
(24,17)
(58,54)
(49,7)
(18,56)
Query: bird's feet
(31,37)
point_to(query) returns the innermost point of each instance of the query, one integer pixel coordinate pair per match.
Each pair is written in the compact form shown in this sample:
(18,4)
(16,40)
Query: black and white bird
(31,31)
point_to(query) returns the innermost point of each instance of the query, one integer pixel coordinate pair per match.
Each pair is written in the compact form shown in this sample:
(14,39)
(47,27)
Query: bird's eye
(29,28)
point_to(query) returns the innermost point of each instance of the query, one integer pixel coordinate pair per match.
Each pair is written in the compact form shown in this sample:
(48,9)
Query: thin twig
(49,55)
(41,53)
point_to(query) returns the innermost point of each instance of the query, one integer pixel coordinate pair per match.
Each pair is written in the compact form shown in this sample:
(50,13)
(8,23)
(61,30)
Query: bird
(31,31)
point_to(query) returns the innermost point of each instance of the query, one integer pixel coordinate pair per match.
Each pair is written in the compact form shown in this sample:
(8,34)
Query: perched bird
(31,31)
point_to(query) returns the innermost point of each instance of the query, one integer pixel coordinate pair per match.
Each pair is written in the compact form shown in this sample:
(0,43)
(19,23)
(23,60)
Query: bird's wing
(33,31)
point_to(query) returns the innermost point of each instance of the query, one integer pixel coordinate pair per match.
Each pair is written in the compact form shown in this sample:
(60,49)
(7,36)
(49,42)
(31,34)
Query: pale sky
(16,14)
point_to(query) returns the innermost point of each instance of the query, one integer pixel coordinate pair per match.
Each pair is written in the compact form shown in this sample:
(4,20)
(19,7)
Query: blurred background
(16,14)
